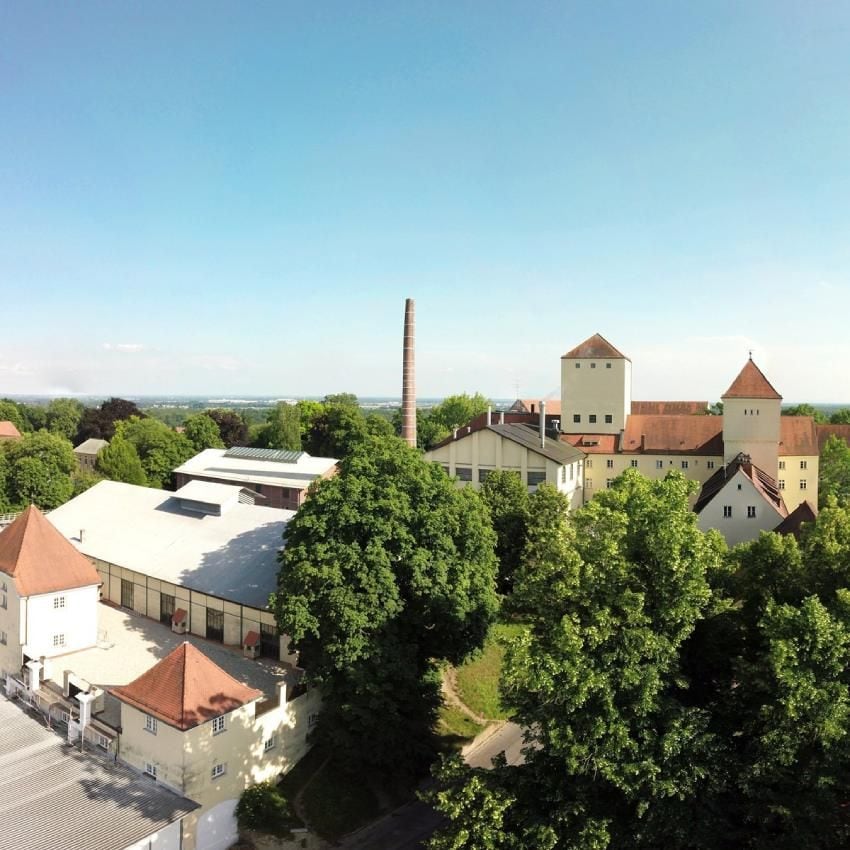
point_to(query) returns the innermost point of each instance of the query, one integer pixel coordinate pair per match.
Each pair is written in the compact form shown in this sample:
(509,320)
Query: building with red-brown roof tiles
(8,431)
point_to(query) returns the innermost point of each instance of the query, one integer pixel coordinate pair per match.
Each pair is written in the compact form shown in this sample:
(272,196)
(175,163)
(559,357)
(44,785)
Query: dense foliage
(100,422)
(388,567)
(160,449)
(438,422)
(264,808)
(506,496)
(676,695)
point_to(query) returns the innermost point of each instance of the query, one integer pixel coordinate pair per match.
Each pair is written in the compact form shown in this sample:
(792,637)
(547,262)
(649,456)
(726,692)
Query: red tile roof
(595,346)
(185,689)
(696,435)
(8,431)
(593,444)
(793,523)
(532,405)
(751,383)
(764,484)
(797,436)
(675,408)
(40,559)
(824,432)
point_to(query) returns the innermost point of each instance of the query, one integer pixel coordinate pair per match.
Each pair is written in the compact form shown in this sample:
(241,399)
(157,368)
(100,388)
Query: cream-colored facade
(596,393)
(797,479)
(751,426)
(258,742)
(471,456)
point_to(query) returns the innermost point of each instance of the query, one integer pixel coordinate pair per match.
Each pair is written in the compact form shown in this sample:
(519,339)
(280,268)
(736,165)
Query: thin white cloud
(125,347)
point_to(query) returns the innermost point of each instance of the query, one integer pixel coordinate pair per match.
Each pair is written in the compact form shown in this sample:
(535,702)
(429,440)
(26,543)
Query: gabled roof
(8,429)
(798,436)
(594,346)
(40,559)
(91,446)
(824,432)
(185,689)
(695,435)
(669,408)
(763,483)
(528,436)
(793,523)
(532,405)
(751,383)
(593,444)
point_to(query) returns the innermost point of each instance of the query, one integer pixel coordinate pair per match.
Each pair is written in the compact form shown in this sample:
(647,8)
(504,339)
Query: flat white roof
(233,556)
(211,494)
(213,463)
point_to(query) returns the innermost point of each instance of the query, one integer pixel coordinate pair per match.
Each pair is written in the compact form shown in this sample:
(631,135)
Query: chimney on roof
(82,532)
(34,668)
(408,378)
(489,416)
(542,424)
(501,417)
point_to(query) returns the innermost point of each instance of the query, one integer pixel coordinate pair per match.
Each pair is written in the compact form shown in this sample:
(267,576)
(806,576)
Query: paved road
(408,827)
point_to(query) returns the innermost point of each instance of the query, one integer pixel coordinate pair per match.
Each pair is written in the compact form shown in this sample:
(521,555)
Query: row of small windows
(593,365)
(591,418)
(152,769)
(659,464)
(727,511)
(804,464)
(533,477)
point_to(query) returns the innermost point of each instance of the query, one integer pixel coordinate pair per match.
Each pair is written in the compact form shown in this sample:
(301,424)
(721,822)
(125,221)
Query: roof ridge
(751,383)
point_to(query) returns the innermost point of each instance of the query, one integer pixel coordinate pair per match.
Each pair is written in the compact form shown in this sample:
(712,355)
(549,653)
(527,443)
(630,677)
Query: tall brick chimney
(408,385)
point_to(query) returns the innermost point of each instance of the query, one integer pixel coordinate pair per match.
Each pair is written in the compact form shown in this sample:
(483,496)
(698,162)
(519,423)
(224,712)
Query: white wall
(752,426)
(76,620)
(597,387)
(739,493)
(166,839)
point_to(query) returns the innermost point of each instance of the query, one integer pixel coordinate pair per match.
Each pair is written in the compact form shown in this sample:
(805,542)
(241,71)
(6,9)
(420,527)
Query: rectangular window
(219,724)
(751,511)
(215,624)
(588,482)
(634,463)
(150,769)
(482,475)
(609,464)
(609,482)
(576,417)
(102,741)
(58,601)
(126,593)
(312,719)
(592,365)
(592,418)
(463,473)
(150,724)
(3,602)
(684,464)
(802,464)
(782,464)
(578,365)
(534,477)
(59,640)
(659,464)
(609,418)
(219,770)
(564,474)
(727,511)
(802,483)
(269,744)
(572,472)
(710,464)
(607,365)
(3,638)
(589,463)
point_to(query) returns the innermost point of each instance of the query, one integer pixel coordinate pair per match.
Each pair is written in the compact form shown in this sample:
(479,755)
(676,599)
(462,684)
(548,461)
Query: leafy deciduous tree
(202,433)
(40,466)
(119,461)
(507,498)
(159,448)
(231,426)
(282,429)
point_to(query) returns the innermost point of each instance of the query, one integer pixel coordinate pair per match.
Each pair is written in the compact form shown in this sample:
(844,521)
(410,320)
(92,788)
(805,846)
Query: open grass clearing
(478,679)
(454,728)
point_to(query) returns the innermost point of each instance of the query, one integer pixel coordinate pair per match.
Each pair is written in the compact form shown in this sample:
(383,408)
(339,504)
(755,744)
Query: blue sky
(236,198)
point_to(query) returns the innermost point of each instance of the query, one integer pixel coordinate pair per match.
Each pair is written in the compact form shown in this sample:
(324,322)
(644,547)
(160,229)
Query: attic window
(607,365)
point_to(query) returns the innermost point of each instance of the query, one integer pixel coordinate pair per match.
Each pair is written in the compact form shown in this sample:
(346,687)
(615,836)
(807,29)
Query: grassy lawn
(478,679)
(455,728)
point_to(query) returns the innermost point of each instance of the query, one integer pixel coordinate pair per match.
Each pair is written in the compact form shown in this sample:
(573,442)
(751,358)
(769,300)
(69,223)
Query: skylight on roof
(274,455)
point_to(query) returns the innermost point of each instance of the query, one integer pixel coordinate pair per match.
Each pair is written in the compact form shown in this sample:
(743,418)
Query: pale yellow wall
(752,426)
(590,388)
(486,450)
(11,617)
(793,474)
(185,760)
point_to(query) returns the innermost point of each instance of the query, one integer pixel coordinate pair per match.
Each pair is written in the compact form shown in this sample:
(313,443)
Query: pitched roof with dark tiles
(185,689)
(666,434)
(751,383)
(8,430)
(793,523)
(824,432)
(763,483)
(593,444)
(595,346)
(529,437)
(39,559)
(674,408)
(797,436)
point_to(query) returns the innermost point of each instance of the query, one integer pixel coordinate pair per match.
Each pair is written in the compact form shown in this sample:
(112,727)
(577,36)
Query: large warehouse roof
(233,556)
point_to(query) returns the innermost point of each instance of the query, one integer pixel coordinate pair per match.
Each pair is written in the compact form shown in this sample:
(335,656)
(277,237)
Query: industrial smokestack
(408,384)
(542,424)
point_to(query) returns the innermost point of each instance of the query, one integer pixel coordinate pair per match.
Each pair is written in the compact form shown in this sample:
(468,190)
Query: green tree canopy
(100,422)
(840,417)
(160,449)
(119,461)
(63,417)
(804,410)
(506,496)
(337,431)
(202,432)
(676,696)
(282,429)
(40,467)
(438,422)
(834,470)
(232,428)
(387,568)
(10,412)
